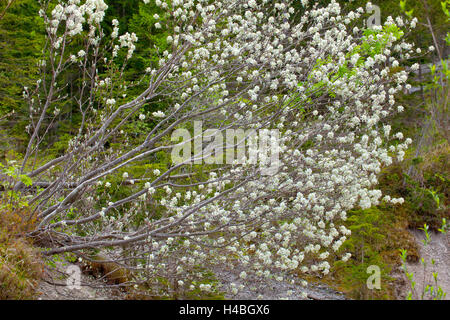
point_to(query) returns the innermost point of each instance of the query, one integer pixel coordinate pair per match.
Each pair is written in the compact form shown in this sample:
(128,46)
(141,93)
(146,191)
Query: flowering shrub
(325,84)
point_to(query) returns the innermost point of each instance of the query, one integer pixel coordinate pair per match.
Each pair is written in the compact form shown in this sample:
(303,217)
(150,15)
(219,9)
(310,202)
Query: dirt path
(437,249)
(289,288)
(55,285)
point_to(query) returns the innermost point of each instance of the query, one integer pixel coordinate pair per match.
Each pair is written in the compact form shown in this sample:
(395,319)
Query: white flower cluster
(75,15)
(244,64)
(314,187)
(126,41)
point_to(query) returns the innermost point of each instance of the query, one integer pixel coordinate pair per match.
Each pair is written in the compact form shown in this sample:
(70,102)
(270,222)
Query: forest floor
(289,288)
(54,284)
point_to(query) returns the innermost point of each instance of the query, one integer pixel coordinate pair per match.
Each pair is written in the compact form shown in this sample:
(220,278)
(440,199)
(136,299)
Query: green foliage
(366,243)
(22,37)
(9,176)
(21,40)
(427,194)
(420,35)
(375,41)
(151,40)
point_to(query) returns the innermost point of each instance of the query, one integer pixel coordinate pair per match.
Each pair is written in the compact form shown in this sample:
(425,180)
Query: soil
(56,285)
(438,249)
(289,288)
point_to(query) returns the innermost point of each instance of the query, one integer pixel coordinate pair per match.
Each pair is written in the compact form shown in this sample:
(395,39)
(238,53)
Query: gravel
(289,288)
(437,249)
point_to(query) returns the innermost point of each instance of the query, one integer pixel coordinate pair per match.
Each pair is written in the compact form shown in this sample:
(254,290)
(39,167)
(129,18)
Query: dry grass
(20,263)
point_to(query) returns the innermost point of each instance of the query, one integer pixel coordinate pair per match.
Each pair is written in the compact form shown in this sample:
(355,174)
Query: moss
(426,191)
(377,235)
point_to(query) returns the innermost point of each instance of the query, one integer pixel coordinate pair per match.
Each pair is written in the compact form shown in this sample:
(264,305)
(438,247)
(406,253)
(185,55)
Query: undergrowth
(20,263)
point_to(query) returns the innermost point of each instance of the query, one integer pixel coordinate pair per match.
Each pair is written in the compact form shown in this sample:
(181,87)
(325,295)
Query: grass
(20,263)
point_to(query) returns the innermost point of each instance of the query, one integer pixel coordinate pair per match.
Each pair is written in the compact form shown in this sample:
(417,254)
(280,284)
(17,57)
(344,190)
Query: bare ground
(55,286)
(437,249)
(270,289)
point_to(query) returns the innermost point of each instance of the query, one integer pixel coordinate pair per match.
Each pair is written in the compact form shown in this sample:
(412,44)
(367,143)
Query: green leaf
(444,8)
(26,180)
